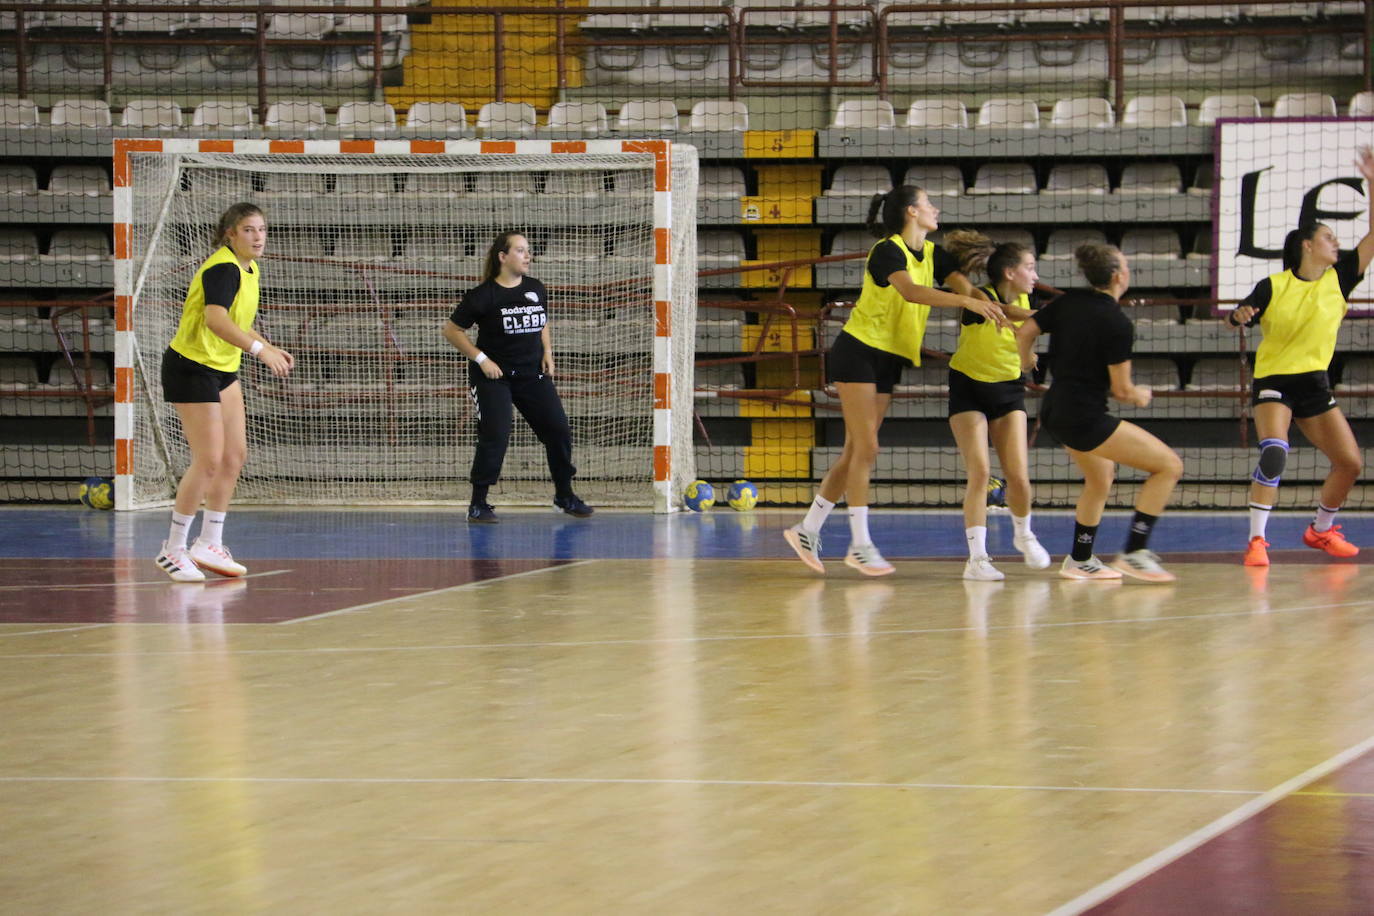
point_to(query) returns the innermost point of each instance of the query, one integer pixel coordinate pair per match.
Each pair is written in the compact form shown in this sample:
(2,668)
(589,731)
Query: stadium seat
(448,118)
(1215,107)
(19,372)
(935,180)
(572,246)
(301,27)
(775,15)
(719,114)
(505,119)
(1361,105)
(79,245)
(370,117)
(223,115)
(857,113)
(366,185)
(62,376)
(503,184)
(818,17)
(153,23)
(652,115)
(1261,11)
(302,243)
(295,116)
(1215,372)
(578,117)
(1009,113)
(18,113)
(695,21)
(1305,105)
(1226,12)
(1082,112)
(849,241)
(235,184)
(1077,178)
(1155,371)
(18,245)
(720,182)
(1000,234)
(1155,111)
(17,179)
(1063,242)
(437,184)
(937,113)
(859,181)
(366,22)
(955,17)
(1202,246)
(1357,371)
(89,180)
(566,183)
(1150,178)
(304,183)
(1004,178)
(152,113)
(1150,244)
(80,113)
(1202,180)
(50,19)
(616,21)
(372,245)
(719,248)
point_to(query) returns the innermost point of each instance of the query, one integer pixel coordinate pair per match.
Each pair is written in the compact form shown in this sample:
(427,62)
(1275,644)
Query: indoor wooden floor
(639,715)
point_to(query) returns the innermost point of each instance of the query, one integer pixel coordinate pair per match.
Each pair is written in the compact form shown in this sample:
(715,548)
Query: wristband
(479,358)
(255,349)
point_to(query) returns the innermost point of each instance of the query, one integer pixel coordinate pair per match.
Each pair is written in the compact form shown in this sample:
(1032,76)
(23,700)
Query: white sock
(1021,526)
(858,526)
(977,538)
(212,527)
(1324,518)
(181,525)
(817,514)
(1259,519)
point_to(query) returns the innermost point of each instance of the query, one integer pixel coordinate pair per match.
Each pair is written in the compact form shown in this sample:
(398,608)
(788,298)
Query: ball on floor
(96,493)
(699,496)
(743,496)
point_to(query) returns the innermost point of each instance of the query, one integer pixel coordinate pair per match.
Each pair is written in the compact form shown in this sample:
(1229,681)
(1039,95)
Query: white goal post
(370,245)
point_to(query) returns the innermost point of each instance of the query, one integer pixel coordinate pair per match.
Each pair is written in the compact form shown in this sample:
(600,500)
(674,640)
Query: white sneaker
(1143,565)
(806,545)
(216,558)
(178,564)
(980,569)
(867,560)
(1091,568)
(1037,557)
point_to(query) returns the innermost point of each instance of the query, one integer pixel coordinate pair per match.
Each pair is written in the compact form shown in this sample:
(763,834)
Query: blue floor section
(252,533)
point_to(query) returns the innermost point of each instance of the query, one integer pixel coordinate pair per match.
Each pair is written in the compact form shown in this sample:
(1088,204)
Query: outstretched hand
(1364,161)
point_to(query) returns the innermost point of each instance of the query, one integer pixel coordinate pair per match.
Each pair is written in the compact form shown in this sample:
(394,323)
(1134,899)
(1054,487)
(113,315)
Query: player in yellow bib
(882,337)
(200,379)
(987,397)
(1300,311)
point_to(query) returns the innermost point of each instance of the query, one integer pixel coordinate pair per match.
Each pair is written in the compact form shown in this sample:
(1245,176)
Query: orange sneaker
(1255,554)
(1331,540)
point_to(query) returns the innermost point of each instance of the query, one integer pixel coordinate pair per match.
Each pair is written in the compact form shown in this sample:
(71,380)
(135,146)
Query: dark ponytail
(501,245)
(893,205)
(1292,244)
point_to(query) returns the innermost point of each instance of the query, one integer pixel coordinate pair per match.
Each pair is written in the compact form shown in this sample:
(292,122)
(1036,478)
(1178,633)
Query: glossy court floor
(397,712)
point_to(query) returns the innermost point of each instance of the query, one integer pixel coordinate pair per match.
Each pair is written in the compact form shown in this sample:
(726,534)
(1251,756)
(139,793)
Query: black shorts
(185,381)
(852,360)
(1080,431)
(1307,394)
(991,399)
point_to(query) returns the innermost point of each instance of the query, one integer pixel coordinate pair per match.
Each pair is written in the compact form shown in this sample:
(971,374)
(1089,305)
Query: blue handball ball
(96,493)
(997,491)
(699,496)
(743,496)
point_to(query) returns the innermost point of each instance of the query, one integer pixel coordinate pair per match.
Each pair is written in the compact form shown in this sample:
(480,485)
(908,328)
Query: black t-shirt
(887,258)
(508,321)
(221,284)
(1088,332)
(1348,274)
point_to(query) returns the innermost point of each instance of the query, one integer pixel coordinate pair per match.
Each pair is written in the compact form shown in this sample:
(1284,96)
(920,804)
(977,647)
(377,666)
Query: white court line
(734,637)
(1178,850)
(70,629)
(63,588)
(437,591)
(628,781)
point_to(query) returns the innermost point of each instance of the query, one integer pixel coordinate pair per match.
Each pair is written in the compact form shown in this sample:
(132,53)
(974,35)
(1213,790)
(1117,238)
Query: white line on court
(1178,850)
(591,781)
(592,643)
(438,591)
(54,587)
(70,629)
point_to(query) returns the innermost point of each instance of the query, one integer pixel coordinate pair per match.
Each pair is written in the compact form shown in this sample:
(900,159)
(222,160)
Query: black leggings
(533,394)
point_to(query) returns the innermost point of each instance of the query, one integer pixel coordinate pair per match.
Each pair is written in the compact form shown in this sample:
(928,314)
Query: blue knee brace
(1273,458)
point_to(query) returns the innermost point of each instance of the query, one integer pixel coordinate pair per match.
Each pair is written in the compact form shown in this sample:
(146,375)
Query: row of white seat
(991,178)
(661,115)
(788,14)
(219,16)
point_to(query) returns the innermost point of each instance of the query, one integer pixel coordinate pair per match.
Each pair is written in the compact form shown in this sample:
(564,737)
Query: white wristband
(255,349)
(479,358)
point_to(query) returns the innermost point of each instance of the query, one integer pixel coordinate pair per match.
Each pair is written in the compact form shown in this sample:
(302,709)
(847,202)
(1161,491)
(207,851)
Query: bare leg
(203,426)
(234,450)
(1331,433)
(1008,435)
(1134,447)
(970,430)
(864,409)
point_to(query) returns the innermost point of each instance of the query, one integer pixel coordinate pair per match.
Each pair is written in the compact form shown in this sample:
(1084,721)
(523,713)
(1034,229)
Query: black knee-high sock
(1141,526)
(1083,537)
(479,493)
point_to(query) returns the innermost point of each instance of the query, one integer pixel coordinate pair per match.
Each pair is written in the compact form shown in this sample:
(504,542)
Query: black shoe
(482,513)
(573,506)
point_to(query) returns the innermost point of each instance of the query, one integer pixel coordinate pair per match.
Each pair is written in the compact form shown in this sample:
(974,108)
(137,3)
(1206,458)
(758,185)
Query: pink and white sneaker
(177,563)
(215,558)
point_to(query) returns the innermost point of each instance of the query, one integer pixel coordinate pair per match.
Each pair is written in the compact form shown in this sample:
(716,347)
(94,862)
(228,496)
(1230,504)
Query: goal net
(370,246)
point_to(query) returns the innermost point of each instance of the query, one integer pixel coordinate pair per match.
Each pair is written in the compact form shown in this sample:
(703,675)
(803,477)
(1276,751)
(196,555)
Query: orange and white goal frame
(660,150)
